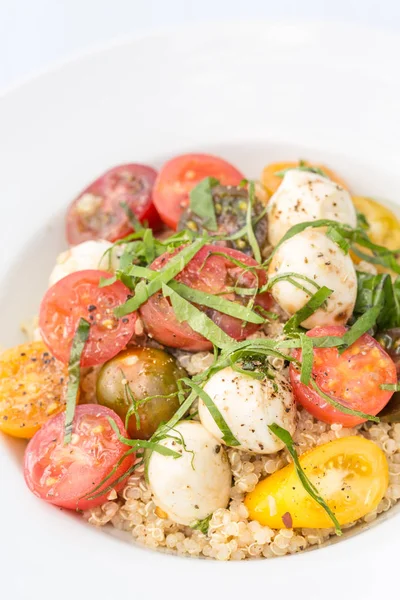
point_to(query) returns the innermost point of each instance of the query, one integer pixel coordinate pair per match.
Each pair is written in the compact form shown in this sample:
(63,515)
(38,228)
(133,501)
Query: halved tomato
(352,378)
(67,475)
(79,295)
(351,474)
(32,386)
(180,175)
(209,273)
(271,181)
(97,212)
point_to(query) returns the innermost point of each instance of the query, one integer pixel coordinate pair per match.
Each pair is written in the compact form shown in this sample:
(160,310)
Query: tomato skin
(79,295)
(271,182)
(63,475)
(180,175)
(350,473)
(104,218)
(208,273)
(352,378)
(32,388)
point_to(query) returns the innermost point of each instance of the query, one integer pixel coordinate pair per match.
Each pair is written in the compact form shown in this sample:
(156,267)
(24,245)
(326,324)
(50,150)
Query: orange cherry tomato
(271,181)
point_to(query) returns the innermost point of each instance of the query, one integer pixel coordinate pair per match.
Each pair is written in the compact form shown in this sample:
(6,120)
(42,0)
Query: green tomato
(132,376)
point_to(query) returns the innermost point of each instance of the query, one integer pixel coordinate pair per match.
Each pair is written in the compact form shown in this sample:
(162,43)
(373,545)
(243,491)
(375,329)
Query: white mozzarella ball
(193,486)
(87,255)
(248,407)
(313,254)
(304,196)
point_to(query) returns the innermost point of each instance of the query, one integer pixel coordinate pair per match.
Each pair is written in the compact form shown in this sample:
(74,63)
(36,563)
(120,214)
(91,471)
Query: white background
(34,34)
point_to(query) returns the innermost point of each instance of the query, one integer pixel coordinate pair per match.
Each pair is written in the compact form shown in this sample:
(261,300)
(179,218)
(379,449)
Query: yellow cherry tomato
(32,385)
(271,181)
(350,473)
(384,226)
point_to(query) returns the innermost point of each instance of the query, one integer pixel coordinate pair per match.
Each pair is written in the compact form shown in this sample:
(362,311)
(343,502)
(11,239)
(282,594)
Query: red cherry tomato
(65,475)
(79,295)
(210,273)
(352,378)
(179,175)
(97,213)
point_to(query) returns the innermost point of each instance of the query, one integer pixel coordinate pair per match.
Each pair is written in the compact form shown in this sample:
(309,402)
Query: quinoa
(231,535)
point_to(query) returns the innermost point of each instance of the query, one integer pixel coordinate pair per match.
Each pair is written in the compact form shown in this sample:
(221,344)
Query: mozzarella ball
(248,407)
(88,255)
(193,486)
(304,196)
(313,254)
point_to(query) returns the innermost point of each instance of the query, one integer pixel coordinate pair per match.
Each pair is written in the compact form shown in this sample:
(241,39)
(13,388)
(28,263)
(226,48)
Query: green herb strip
(174,266)
(361,326)
(336,237)
(302,167)
(202,524)
(133,221)
(250,231)
(307,358)
(202,203)
(379,290)
(390,387)
(74,373)
(198,321)
(146,444)
(309,487)
(340,407)
(227,434)
(313,304)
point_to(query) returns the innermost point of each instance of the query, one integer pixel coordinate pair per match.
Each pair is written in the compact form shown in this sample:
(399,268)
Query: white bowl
(251,93)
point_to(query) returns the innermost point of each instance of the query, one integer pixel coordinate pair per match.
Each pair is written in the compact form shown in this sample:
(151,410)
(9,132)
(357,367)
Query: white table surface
(35,34)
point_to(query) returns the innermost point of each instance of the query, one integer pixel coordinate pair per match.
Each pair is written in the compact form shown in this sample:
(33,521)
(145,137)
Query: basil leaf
(202,203)
(198,321)
(313,304)
(309,487)
(147,444)
(340,407)
(361,326)
(390,387)
(302,167)
(307,358)
(74,374)
(250,231)
(174,266)
(227,434)
(379,290)
(202,524)
(337,237)
(133,220)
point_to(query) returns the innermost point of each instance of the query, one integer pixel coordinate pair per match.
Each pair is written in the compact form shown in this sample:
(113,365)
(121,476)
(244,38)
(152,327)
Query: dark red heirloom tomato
(97,213)
(66,475)
(352,378)
(180,175)
(79,295)
(209,273)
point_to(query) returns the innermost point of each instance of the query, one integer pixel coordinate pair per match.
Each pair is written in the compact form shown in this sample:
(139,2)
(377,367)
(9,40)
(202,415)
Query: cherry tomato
(351,474)
(210,273)
(97,213)
(180,175)
(66,475)
(79,295)
(271,181)
(352,378)
(32,384)
(136,374)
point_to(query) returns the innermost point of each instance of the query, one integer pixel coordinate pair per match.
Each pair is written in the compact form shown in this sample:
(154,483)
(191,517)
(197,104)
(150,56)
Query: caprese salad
(224,326)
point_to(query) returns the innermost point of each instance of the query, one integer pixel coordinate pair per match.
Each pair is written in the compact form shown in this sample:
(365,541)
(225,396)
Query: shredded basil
(74,373)
(307,358)
(145,444)
(250,231)
(133,221)
(227,434)
(340,407)
(174,266)
(202,524)
(309,487)
(336,237)
(313,304)
(390,387)
(302,167)
(202,203)
(379,290)
(198,321)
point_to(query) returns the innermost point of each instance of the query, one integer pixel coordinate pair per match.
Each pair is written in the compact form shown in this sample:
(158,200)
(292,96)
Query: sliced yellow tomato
(350,473)
(384,226)
(32,385)
(271,181)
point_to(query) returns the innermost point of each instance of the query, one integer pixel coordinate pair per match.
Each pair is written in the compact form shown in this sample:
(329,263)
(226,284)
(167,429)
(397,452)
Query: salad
(214,367)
